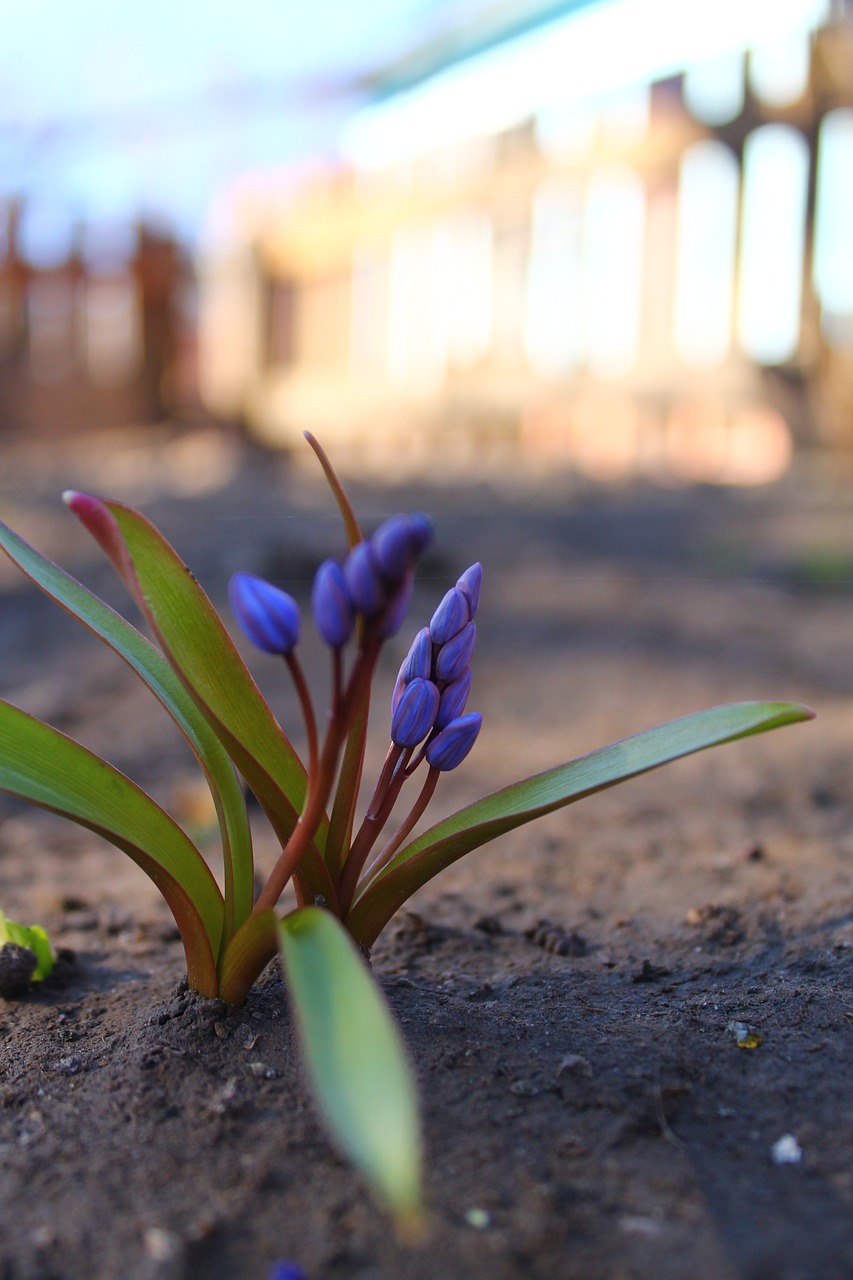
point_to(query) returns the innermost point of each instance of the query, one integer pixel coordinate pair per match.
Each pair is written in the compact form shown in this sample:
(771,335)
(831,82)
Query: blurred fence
(94,337)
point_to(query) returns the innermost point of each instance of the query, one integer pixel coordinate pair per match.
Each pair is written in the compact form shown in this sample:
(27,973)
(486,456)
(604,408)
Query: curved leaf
(247,955)
(43,766)
(197,644)
(354,1057)
(153,668)
(521,802)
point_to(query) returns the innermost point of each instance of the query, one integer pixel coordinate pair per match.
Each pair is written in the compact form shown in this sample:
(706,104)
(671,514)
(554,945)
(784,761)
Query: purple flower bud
(398,542)
(422,531)
(268,616)
(362,577)
(469,585)
(334,611)
(398,608)
(286,1271)
(392,547)
(453,699)
(415,714)
(450,747)
(455,656)
(417,665)
(450,617)
(418,661)
(399,690)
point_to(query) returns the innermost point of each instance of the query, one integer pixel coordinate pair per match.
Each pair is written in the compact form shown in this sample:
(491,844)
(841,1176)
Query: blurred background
(611,238)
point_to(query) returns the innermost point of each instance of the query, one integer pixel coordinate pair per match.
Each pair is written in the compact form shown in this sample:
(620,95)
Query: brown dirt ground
(588,1111)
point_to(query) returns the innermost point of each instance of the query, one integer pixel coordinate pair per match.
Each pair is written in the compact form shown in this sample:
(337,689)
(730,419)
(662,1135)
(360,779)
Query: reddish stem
(415,814)
(320,782)
(384,798)
(298,675)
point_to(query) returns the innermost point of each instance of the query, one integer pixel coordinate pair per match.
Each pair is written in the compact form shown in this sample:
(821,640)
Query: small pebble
(786,1150)
(262,1071)
(479,1219)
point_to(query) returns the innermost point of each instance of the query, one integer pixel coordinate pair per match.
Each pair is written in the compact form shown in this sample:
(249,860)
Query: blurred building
(614,236)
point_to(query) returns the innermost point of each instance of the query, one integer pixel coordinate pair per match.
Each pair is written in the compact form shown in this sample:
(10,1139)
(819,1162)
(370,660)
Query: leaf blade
(200,649)
(43,766)
(155,671)
(533,797)
(354,1057)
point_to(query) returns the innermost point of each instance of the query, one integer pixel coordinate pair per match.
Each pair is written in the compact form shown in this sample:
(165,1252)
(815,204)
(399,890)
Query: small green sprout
(346,888)
(34,939)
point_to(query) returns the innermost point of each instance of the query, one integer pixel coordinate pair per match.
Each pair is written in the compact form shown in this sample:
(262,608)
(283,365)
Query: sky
(108,110)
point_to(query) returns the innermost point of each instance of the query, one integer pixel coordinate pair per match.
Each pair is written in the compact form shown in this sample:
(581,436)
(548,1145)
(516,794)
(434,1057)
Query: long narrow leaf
(43,766)
(152,667)
(521,802)
(355,1060)
(198,646)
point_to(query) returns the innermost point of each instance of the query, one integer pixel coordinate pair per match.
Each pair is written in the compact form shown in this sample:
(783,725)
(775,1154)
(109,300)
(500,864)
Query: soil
(631,1022)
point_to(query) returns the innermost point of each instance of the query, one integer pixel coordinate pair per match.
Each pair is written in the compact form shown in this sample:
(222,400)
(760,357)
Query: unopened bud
(415,713)
(398,542)
(397,609)
(453,699)
(455,656)
(392,546)
(450,747)
(362,577)
(418,661)
(267,615)
(286,1271)
(469,584)
(450,617)
(334,611)
(422,531)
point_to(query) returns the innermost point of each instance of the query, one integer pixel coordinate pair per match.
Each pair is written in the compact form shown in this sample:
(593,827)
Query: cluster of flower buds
(375,581)
(435,679)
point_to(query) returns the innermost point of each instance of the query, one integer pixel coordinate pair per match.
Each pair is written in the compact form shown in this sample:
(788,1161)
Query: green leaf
(32,936)
(41,765)
(355,1060)
(477,824)
(247,954)
(197,644)
(152,667)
